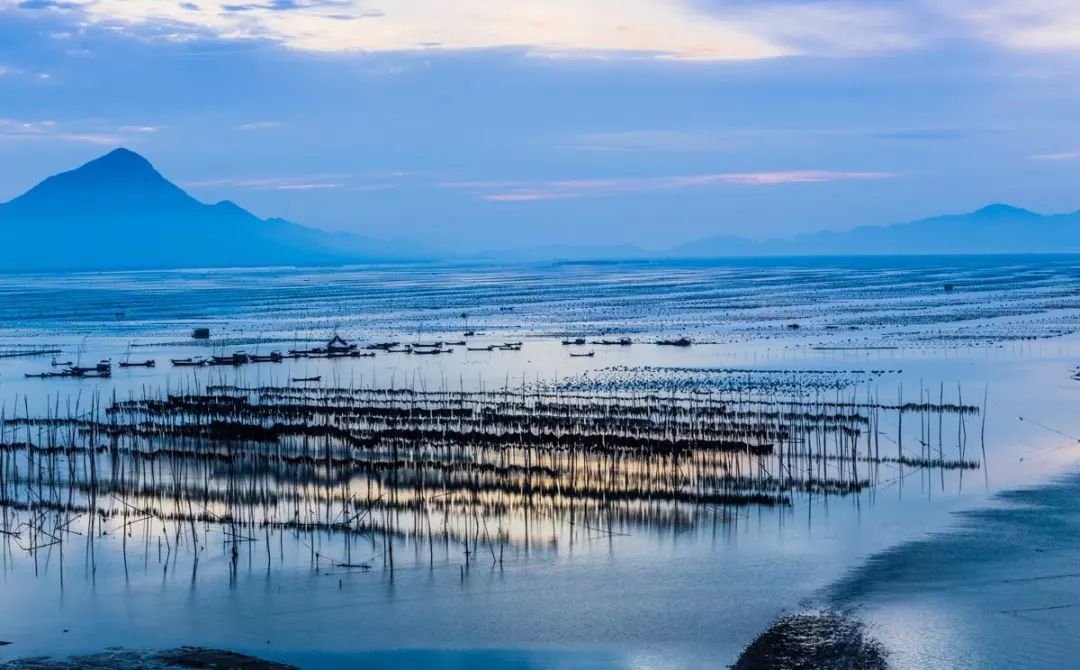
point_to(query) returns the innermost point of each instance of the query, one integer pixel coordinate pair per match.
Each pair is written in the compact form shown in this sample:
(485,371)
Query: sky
(504,124)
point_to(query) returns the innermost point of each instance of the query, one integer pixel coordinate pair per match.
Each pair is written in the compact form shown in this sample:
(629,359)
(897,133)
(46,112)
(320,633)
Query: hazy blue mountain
(118,212)
(991,230)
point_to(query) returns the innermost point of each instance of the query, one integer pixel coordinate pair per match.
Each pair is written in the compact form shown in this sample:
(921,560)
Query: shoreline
(997,589)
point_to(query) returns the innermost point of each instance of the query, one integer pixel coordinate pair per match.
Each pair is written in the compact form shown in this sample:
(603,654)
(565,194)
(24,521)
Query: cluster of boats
(622,342)
(67,369)
(337,347)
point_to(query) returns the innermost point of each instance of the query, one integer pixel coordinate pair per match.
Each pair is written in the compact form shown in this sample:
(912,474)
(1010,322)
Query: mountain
(118,212)
(996,229)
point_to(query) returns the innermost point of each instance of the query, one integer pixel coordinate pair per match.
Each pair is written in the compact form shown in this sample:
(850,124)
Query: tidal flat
(560,486)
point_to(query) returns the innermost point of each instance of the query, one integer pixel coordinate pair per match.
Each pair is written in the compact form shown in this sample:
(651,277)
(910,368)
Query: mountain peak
(120,163)
(1002,210)
(120,177)
(123,156)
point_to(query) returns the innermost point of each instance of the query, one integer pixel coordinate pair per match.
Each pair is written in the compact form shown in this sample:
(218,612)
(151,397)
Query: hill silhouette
(118,212)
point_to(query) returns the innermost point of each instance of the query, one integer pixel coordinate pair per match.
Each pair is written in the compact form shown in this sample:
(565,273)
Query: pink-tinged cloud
(519,191)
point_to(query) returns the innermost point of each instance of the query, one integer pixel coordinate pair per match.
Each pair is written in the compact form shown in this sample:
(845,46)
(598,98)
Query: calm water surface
(509,554)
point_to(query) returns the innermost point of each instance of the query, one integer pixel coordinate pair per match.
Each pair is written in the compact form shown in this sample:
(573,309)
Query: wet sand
(999,589)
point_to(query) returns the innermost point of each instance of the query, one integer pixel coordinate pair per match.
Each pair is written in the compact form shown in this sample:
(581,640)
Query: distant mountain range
(997,229)
(118,212)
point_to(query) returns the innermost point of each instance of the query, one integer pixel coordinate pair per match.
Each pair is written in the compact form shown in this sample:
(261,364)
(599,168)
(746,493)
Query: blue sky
(479,123)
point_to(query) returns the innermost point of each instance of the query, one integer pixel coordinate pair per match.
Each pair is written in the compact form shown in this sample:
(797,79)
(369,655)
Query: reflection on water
(469,474)
(643,497)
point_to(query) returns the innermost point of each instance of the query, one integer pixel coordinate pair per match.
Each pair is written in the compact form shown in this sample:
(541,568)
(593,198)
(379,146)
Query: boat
(307,379)
(431,352)
(272,357)
(470,333)
(427,345)
(140,364)
(577,341)
(385,346)
(61,364)
(460,343)
(622,342)
(588,355)
(487,348)
(399,350)
(237,358)
(187,362)
(336,347)
(102,369)
(681,342)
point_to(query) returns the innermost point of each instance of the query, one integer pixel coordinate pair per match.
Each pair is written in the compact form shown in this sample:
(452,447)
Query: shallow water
(664,583)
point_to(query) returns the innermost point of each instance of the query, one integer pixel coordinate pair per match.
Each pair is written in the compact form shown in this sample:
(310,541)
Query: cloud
(683,29)
(705,30)
(1061,156)
(12,130)
(523,191)
(314,182)
(259,125)
(1037,25)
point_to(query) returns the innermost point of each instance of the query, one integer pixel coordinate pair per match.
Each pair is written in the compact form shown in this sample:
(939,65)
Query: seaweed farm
(305,484)
(445,468)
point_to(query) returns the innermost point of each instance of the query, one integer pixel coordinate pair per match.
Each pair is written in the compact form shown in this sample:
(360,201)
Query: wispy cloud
(1038,25)
(671,29)
(23,131)
(1060,156)
(302,183)
(668,29)
(311,182)
(141,130)
(525,191)
(259,125)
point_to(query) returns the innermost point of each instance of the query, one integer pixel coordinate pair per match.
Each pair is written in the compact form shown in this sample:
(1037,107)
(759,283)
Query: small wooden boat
(272,357)
(385,346)
(237,358)
(431,352)
(399,350)
(102,369)
(316,378)
(188,362)
(487,348)
(587,355)
(681,342)
(139,364)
